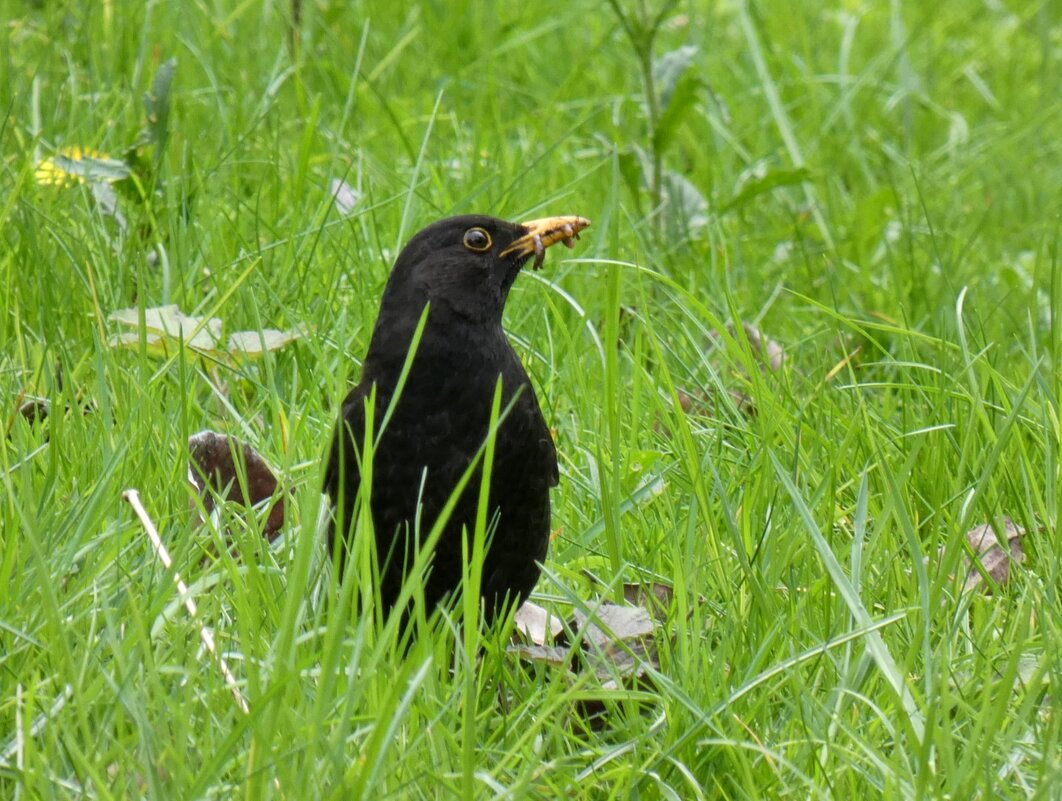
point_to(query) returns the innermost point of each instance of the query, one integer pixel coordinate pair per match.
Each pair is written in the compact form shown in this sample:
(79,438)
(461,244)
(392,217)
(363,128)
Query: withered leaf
(345,197)
(169,321)
(995,559)
(620,639)
(770,352)
(213,472)
(545,654)
(35,410)
(166,328)
(615,643)
(254,344)
(536,624)
(655,597)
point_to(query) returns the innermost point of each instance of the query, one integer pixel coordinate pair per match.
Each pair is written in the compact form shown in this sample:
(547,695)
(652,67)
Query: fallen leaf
(768,353)
(536,624)
(197,332)
(656,597)
(35,410)
(156,345)
(255,344)
(771,354)
(621,639)
(345,197)
(167,327)
(555,656)
(213,472)
(994,558)
(106,198)
(616,643)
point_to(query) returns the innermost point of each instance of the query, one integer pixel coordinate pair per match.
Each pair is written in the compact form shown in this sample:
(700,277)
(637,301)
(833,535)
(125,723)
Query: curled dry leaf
(770,355)
(79,165)
(694,404)
(610,639)
(213,471)
(553,655)
(994,553)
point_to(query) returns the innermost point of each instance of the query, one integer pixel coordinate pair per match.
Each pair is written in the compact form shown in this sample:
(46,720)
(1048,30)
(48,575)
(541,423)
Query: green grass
(819,645)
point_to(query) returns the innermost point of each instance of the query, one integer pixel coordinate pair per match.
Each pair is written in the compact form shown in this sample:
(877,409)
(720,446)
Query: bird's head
(466,265)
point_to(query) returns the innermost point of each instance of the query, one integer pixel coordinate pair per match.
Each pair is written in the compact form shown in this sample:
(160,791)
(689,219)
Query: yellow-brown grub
(545,232)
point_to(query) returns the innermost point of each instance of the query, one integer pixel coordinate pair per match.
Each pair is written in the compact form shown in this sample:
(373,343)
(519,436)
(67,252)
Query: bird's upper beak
(543,233)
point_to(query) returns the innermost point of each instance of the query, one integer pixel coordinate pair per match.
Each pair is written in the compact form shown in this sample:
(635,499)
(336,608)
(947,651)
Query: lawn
(809,343)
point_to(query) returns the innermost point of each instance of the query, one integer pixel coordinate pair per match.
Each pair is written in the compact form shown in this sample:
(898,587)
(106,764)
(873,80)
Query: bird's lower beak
(543,233)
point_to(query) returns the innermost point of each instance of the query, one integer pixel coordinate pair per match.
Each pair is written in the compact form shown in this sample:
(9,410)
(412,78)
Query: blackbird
(430,428)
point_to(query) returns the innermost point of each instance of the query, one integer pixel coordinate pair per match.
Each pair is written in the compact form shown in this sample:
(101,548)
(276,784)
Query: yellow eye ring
(478,240)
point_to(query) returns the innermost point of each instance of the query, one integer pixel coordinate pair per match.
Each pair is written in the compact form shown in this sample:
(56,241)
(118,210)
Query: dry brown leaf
(255,344)
(542,654)
(536,624)
(615,643)
(621,639)
(168,331)
(656,597)
(994,558)
(213,472)
(35,410)
(197,333)
(610,640)
(770,352)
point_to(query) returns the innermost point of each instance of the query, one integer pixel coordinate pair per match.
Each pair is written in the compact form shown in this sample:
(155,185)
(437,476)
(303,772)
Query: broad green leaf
(157,106)
(765,181)
(668,70)
(633,167)
(674,113)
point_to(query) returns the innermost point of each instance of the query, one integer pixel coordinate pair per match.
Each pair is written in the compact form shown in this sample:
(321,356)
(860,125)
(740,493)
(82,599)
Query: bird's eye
(477,239)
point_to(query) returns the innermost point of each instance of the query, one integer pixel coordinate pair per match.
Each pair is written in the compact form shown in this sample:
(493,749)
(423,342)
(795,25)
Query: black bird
(462,269)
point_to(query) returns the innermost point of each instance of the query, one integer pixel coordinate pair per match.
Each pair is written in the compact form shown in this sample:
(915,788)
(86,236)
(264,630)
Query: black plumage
(462,268)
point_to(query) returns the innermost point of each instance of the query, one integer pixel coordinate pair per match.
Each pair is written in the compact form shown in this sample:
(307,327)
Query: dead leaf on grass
(213,471)
(168,324)
(345,197)
(771,354)
(166,329)
(994,553)
(615,643)
(655,597)
(621,640)
(537,625)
